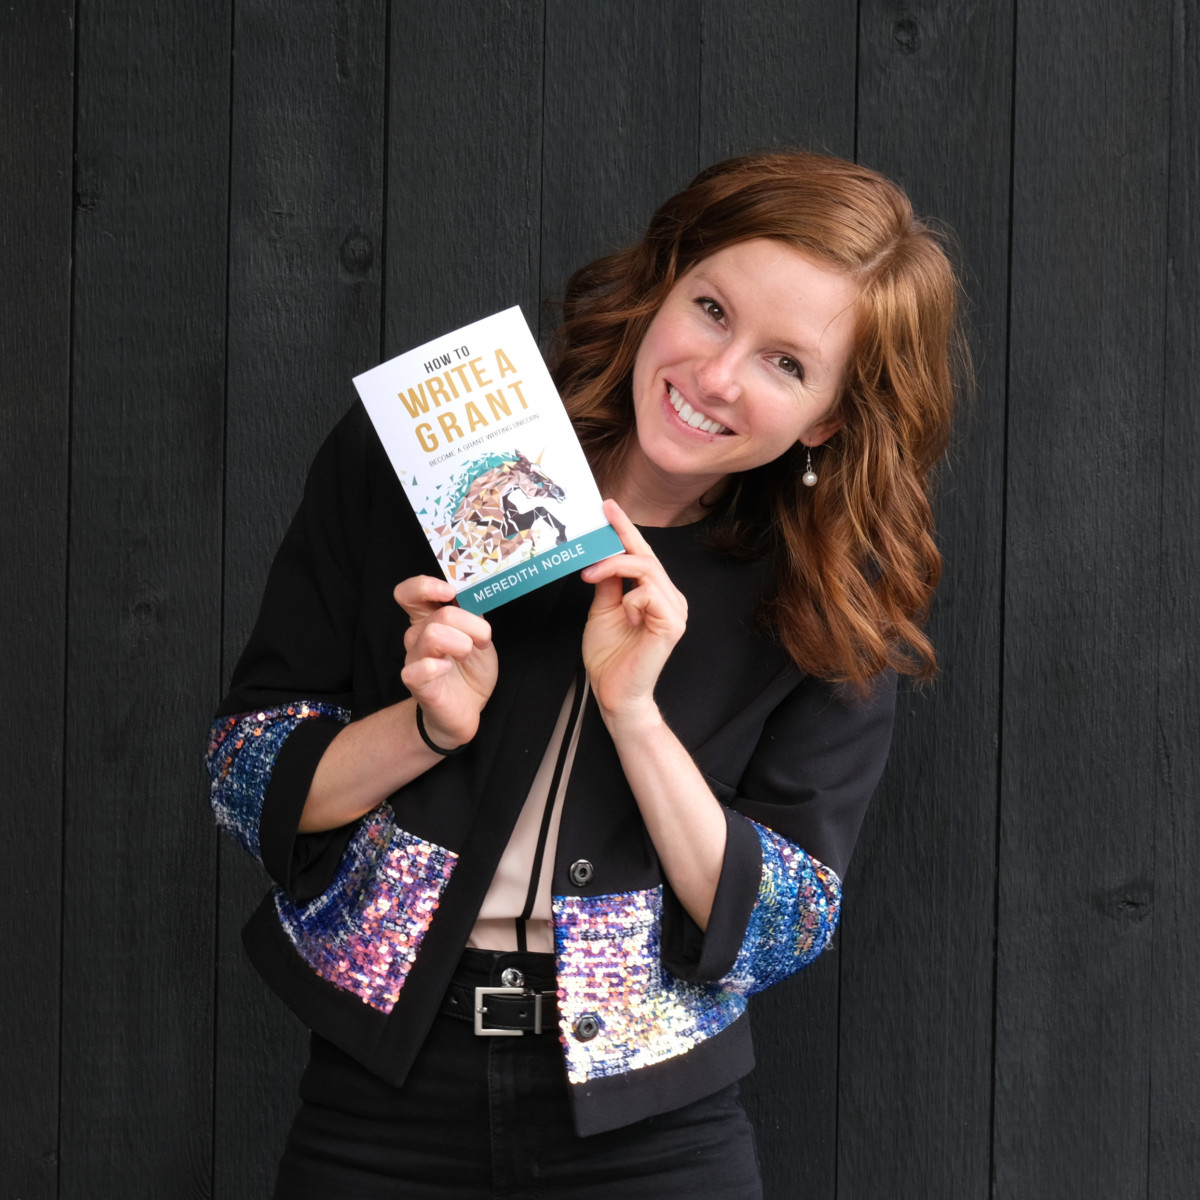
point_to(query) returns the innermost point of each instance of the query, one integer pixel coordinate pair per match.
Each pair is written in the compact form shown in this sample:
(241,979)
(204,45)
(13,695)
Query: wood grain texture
(791,1095)
(305,272)
(1080,748)
(1175,985)
(619,126)
(934,112)
(36,96)
(144,617)
(777,73)
(464,164)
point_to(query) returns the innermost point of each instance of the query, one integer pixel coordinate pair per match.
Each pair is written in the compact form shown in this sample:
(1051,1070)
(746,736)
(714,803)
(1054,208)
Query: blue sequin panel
(241,756)
(609,966)
(363,932)
(793,917)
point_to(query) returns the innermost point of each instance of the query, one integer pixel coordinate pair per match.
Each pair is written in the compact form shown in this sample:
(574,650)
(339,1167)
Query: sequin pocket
(363,932)
(621,1009)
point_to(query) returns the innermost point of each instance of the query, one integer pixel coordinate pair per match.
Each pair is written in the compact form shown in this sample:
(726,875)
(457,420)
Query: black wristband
(431,743)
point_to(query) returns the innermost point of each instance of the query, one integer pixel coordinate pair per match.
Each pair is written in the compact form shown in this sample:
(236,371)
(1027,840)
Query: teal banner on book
(573,555)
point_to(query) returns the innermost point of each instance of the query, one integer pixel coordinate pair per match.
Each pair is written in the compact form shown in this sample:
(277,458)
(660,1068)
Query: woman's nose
(720,373)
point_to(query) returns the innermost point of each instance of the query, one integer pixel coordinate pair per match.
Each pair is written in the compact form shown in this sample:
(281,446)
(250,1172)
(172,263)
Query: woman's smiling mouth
(689,416)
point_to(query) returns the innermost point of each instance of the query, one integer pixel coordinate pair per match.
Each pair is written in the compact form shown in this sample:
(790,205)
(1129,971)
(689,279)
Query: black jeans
(484,1118)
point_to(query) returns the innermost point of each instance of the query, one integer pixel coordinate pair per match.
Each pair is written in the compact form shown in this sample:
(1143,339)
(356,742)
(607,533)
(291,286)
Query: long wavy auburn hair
(853,560)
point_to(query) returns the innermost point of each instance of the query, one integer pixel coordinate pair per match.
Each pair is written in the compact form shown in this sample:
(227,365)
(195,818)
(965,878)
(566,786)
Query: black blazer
(366,924)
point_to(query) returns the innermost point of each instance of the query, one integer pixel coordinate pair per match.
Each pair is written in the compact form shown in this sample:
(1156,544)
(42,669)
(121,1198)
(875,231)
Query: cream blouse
(516,908)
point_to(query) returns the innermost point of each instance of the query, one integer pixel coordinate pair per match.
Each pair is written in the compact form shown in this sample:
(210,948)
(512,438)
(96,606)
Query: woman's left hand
(630,635)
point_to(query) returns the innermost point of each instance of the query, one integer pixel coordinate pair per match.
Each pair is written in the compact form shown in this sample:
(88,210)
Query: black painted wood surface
(463,155)
(1079,749)
(35,350)
(144,596)
(618,127)
(212,217)
(1174,1118)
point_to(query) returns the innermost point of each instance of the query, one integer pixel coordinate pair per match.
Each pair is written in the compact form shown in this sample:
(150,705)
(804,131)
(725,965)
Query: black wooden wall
(211,215)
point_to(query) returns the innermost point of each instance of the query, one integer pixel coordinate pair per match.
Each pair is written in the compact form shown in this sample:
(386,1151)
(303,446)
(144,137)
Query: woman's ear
(824,429)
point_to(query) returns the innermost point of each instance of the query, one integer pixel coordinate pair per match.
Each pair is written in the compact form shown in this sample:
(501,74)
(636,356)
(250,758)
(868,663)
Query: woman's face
(745,358)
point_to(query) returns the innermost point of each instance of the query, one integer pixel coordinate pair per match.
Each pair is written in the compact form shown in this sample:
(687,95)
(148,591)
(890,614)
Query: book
(484,449)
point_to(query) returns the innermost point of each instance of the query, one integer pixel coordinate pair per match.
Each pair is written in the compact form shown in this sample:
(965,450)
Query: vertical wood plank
(934,112)
(791,1094)
(782,74)
(1175,1020)
(1079,750)
(142,653)
(464,164)
(621,88)
(305,264)
(37,96)
(777,74)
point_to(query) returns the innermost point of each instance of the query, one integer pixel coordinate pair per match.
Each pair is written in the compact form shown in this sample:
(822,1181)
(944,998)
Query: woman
(524,893)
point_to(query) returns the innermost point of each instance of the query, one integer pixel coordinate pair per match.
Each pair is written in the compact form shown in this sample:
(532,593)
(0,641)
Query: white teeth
(690,416)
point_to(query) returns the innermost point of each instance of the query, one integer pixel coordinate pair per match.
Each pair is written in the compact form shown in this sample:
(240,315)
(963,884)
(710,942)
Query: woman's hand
(450,670)
(450,667)
(630,635)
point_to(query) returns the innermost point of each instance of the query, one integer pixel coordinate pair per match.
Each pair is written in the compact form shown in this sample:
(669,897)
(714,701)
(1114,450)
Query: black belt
(503,1011)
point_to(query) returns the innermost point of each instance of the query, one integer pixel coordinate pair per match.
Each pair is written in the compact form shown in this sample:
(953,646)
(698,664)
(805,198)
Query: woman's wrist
(435,746)
(634,725)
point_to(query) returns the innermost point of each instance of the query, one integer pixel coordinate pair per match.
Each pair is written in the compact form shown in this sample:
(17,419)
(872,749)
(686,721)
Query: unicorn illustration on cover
(497,517)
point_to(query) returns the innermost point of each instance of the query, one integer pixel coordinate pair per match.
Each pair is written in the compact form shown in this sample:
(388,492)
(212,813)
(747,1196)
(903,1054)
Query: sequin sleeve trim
(363,932)
(793,917)
(242,750)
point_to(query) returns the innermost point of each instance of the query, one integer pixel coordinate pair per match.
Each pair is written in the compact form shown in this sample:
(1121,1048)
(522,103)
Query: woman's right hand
(450,666)
(450,669)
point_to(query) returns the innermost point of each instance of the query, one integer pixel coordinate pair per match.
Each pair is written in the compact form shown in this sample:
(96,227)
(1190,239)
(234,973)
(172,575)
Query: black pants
(484,1118)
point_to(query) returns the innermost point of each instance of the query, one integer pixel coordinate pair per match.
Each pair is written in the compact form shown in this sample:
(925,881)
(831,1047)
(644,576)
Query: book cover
(483,447)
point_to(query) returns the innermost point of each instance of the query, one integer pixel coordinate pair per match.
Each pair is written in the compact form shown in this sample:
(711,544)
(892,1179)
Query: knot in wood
(140,626)
(143,613)
(1132,900)
(357,252)
(907,35)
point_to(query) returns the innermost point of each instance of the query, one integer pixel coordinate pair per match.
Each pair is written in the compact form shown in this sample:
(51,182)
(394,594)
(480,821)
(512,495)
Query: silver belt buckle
(481,1008)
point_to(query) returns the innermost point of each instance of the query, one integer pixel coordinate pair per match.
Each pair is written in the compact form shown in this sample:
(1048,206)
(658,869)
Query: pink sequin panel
(609,964)
(609,967)
(363,932)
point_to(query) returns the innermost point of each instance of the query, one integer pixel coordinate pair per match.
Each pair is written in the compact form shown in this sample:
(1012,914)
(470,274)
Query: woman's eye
(711,307)
(791,366)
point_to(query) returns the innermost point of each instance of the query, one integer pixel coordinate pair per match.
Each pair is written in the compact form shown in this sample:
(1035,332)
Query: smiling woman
(599,821)
(848,284)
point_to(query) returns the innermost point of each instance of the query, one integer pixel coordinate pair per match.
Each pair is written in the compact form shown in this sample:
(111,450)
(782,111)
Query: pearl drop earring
(809,478)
